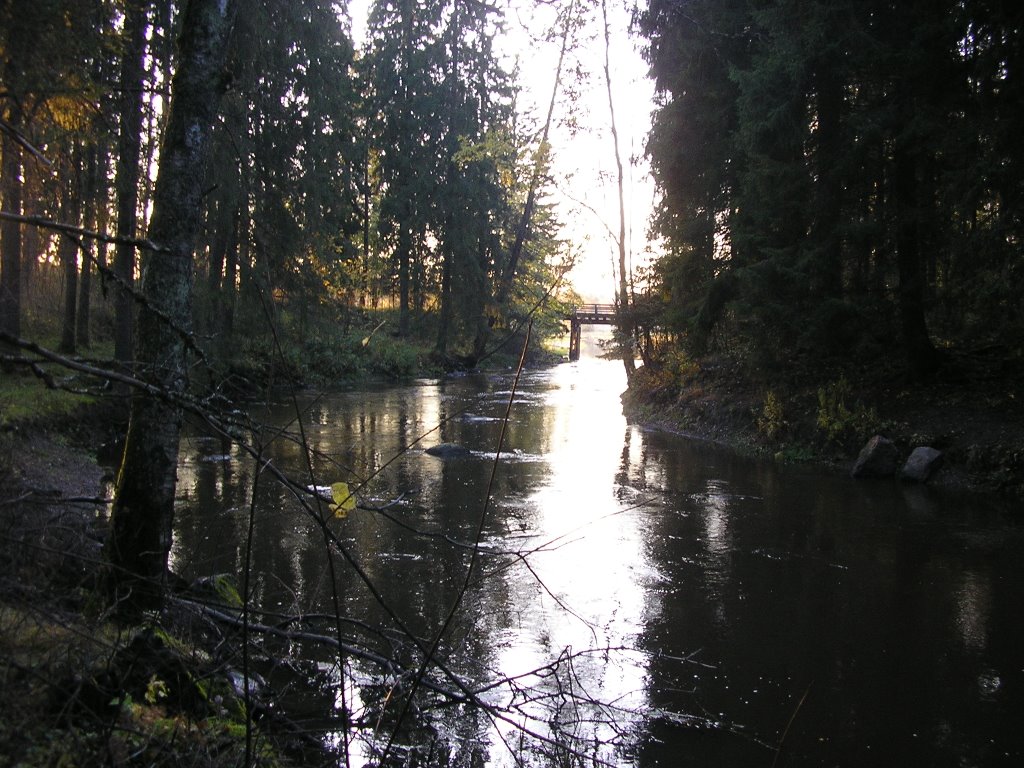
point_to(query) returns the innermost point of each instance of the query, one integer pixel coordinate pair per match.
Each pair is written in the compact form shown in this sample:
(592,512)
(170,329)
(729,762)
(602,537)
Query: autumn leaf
(344,500)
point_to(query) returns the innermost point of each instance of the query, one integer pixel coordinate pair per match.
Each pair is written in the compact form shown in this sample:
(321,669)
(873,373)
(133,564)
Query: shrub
(771,420)
(328,359)
(392,358)
(838,421)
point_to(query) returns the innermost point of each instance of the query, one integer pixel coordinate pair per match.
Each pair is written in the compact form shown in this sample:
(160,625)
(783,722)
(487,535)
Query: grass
(24,399)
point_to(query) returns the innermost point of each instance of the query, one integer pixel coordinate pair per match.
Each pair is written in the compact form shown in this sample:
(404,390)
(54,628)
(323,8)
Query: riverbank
(81,688)
(971,410)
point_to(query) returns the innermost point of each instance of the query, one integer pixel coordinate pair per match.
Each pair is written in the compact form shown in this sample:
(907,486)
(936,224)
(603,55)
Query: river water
(639,597)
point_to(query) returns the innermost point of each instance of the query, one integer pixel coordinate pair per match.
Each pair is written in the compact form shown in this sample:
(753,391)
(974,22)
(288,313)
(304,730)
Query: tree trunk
(921,355)
(143,510)
(21,40)
(239,251)
(626,327)
(445,315)
(223,235)
(10,242)
(127,185)
(829,187)
(404,257)
(70,213)
(89,246)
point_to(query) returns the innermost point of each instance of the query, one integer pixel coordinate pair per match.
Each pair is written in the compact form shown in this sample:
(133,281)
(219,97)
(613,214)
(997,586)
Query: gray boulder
(448,450)
(877,459)
(922,464)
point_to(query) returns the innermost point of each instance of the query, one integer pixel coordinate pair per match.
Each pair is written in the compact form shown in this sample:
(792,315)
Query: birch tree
(143,508)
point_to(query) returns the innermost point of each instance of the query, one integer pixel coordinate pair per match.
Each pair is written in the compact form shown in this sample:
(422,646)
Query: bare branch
(68,229)
(19,138)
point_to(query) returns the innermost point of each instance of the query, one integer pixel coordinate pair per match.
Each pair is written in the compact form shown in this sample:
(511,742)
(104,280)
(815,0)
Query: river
(639,597)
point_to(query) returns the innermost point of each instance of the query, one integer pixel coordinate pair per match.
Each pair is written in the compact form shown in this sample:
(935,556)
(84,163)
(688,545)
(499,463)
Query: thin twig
(782,741)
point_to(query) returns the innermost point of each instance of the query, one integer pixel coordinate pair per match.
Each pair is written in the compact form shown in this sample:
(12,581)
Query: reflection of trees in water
(745,584)
(401,560)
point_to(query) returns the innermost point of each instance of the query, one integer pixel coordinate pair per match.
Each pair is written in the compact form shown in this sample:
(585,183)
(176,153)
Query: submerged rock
(922,464)
(876,459)
(448,450)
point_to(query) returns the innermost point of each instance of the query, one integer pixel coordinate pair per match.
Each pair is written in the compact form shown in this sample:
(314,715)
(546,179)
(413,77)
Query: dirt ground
(49,466)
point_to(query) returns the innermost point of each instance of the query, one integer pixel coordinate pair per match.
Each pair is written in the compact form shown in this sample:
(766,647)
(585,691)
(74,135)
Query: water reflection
(972,602)
(667,602)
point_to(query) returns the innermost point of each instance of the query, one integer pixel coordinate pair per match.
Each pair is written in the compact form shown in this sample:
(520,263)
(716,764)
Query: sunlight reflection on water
(593,568)
(670,587)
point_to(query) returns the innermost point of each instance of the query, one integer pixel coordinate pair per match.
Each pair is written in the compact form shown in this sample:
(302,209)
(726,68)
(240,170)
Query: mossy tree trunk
(10,241)
(144,499)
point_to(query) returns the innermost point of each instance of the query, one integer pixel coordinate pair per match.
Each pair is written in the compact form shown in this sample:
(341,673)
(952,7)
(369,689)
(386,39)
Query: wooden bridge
(587,314)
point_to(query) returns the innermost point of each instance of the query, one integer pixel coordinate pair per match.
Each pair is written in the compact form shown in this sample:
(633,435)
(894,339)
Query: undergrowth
(80,689)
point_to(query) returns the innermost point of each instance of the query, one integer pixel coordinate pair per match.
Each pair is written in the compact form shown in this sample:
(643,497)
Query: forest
(205,200)
(840,181)
(202,201)
(342,184)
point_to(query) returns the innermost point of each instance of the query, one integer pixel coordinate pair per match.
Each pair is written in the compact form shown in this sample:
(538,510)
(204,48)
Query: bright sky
(584,159)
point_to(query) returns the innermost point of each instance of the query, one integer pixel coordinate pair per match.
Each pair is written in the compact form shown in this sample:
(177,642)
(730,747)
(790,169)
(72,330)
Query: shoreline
(980,433)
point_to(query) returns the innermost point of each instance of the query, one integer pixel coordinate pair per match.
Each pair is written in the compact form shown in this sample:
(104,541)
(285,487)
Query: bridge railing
(594,310)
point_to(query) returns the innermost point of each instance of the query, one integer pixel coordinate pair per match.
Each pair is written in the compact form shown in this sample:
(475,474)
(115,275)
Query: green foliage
(324,359)
(838,421)
(668,375)
(330,356)
(393,358)
(680,367)
(834,418)
(224,589)
(75,706)
(156,690)
(450,168)
(771,420)
(339,182)
(796,454)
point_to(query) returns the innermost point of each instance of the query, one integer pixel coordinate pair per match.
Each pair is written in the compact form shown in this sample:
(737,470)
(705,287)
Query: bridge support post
(575,332)
(587,314)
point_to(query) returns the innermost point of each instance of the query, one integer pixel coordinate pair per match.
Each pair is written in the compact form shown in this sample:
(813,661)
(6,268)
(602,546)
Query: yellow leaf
(344,500)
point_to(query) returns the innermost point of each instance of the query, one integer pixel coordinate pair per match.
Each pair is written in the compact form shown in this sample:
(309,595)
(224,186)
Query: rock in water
(877,459)
(922,464)
(448,450)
